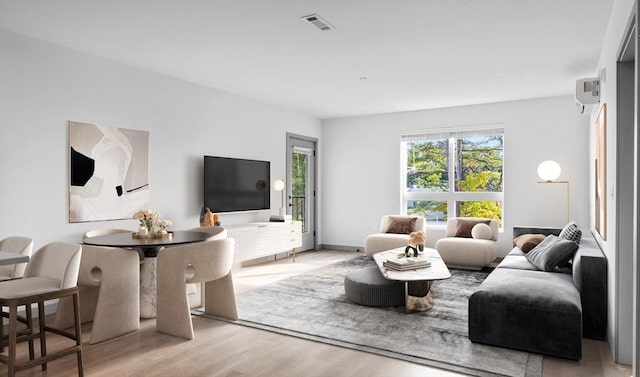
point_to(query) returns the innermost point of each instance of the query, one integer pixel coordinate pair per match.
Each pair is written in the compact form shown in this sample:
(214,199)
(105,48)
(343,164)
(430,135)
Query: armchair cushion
(464,227)
(481,231)
(401,225)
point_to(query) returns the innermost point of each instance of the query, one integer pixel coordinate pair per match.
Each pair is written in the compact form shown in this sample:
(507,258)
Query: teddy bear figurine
(416,243)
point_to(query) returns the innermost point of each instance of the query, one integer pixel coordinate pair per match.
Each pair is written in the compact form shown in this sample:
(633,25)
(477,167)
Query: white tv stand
(255,240)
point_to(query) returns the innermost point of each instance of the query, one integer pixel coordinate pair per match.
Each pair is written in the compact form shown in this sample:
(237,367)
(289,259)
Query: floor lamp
(549,171)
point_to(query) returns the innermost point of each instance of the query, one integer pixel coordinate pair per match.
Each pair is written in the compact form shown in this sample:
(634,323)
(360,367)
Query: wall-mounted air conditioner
(587,92)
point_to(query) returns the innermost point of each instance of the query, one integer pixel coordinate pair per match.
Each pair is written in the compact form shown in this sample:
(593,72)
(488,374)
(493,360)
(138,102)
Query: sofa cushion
(571,232)
(518,262)
(401,225)
(526,242)
(481,232)
(464,227)
(552,252)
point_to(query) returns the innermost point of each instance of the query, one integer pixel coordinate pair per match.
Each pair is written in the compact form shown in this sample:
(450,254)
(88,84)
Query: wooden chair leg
(13,328)
(43,335)
(2,327)
(29,315)
(76,315)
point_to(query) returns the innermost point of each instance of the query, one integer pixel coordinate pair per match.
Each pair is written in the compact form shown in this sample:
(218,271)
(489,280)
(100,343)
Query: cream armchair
(469,243)
(206,262)
(390,236)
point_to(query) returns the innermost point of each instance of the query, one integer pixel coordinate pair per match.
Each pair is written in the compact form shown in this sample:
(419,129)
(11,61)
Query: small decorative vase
(143,231)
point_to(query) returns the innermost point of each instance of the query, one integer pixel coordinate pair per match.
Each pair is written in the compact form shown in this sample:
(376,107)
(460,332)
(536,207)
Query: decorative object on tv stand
(207,218)
(149,220)
(549,171)
(278,185)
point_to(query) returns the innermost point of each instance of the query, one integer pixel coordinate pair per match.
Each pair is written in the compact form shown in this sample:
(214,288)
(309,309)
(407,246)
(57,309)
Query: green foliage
(478,168)
(489,210)
(427,164)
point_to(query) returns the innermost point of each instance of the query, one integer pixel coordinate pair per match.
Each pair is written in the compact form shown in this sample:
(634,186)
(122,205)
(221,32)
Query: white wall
(42,86)
(361,165)
(619,260)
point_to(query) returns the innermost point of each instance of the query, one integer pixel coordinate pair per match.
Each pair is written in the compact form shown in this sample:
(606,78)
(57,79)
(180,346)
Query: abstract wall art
(109,172)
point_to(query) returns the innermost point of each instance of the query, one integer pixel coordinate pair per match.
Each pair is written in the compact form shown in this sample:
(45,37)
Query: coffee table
(418,282)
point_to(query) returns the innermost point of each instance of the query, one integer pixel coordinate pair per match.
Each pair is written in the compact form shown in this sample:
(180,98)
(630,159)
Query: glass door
(301,186)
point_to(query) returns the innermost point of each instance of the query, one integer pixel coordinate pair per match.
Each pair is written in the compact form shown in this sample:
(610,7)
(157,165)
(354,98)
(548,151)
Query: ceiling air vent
(318,22)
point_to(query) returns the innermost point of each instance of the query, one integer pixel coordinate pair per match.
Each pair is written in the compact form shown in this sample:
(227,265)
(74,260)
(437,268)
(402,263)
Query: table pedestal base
(418,296)
(148,288)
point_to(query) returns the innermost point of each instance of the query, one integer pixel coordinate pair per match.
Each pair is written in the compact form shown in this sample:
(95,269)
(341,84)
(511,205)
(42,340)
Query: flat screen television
(233,184)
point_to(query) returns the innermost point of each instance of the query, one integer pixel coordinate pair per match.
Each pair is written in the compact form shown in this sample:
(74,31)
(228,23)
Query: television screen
(232,184)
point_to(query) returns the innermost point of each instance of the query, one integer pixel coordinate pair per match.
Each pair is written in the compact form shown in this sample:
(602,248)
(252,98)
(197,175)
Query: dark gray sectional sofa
(521,307)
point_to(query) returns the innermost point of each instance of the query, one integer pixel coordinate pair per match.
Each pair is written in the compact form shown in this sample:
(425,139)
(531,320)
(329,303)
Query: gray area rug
(313,306)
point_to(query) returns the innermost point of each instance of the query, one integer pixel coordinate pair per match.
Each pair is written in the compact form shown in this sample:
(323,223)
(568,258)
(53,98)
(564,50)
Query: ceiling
(382,56)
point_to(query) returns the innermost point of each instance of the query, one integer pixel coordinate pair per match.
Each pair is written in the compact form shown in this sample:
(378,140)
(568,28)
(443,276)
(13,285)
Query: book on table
(406,264)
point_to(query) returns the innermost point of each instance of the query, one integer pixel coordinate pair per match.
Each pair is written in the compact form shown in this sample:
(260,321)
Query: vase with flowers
(147,219)
(163,225)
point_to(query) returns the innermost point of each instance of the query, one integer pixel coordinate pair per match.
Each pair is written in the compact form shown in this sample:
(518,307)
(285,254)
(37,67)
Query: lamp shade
(278,185)
(549,170)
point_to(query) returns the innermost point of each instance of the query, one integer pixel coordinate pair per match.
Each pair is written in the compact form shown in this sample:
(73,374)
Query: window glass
(454,174)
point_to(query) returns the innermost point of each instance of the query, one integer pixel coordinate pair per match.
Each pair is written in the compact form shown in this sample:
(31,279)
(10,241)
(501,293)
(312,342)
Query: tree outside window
(454,174)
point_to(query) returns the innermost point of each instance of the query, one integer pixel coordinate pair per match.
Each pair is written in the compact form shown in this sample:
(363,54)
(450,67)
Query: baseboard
(342,247)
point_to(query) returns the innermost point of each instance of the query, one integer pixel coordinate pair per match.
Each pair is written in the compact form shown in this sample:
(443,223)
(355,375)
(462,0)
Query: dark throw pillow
(401,225)
(464,227)
(571,232)
(527,242)
(551,252)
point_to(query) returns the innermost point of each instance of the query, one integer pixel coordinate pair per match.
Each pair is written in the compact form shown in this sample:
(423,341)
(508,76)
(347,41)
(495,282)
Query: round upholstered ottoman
(368,287)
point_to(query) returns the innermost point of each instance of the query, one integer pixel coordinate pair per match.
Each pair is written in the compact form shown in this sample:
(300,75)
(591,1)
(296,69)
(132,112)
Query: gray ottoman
(368,287)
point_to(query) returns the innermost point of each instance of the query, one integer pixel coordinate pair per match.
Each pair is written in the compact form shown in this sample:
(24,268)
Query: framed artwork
(109,172)
(601,173)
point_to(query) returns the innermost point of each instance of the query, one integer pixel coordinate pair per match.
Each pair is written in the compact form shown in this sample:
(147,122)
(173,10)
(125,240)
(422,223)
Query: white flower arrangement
(147,219)
(163,224)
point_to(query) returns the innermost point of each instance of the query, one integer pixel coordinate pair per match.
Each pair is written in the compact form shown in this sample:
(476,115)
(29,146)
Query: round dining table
(150,248)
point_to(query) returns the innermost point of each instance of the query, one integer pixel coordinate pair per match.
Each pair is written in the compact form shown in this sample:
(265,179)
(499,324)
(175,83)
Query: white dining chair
(109,283)
(209,262)
(15,245)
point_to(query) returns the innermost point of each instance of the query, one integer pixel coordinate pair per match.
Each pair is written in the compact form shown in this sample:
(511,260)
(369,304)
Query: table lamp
(549,171)
(278,185)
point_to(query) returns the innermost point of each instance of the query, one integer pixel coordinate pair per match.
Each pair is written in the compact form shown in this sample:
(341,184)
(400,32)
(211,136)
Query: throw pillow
(571,232)
(401,225)
(551,252)
(464,227)
(526,242)
(481,232)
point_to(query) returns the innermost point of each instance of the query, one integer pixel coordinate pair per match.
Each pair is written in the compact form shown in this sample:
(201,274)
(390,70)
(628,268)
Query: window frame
(451,196)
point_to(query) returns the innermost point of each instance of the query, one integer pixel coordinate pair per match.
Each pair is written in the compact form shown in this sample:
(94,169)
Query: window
(453,174)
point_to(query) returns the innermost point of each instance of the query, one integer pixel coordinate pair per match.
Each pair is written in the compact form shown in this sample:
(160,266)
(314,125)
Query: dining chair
(216,232)
(15,245)
(109,284)
(51,273)
(209,262)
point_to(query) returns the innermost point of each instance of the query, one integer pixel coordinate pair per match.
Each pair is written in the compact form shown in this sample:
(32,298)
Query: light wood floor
(223,349)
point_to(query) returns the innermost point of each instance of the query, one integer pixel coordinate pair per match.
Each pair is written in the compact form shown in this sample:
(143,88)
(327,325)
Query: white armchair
(458,250)
(387,238)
